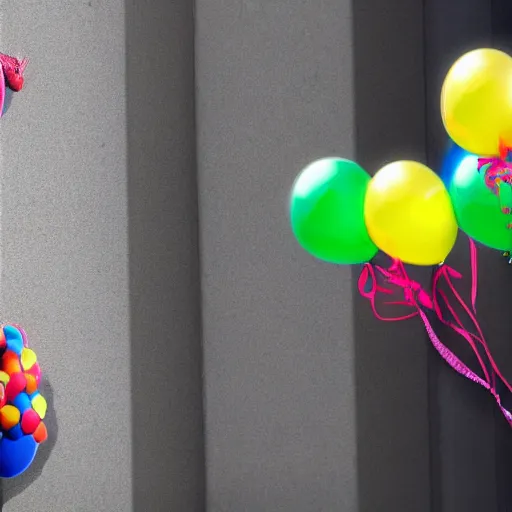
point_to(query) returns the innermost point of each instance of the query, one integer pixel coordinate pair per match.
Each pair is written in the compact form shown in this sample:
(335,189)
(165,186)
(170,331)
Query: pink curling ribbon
(415,297)
(498,172)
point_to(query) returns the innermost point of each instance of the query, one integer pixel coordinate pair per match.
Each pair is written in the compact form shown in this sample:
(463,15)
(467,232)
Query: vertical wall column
(462,434)
(391,358)
(168,462)
(471,441)
(275,91)
(497,311)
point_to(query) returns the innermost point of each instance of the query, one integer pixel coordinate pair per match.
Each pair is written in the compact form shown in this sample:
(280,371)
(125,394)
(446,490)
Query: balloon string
(369,276)
(449,273)
(415,296)
(459,329)
(474,272)
(458,326)
(461,368)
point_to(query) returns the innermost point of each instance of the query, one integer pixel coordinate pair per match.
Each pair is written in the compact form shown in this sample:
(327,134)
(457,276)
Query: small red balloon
(15,386)
(30,421)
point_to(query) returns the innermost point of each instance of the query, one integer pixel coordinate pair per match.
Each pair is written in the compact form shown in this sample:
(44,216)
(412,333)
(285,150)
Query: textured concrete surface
(64,250)
(99,254)
(275,91)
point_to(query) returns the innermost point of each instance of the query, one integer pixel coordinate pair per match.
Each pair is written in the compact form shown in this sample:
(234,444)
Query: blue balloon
(16,455)
(14,339)
(452,160)
(22,402)
(15,432)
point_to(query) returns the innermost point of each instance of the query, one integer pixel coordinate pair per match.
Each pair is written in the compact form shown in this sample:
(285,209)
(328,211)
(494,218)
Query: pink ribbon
(11,72)
(498,172)
(417,299)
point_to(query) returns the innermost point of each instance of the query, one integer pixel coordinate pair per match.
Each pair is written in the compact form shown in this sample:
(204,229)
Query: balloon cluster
(22,407)
(476,107)
(342,215)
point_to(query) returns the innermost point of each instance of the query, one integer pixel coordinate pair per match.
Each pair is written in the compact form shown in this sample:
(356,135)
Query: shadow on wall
(10,488)
(7,100)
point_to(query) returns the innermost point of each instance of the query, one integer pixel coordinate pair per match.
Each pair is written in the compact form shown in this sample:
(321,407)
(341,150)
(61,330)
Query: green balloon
(327,211)
(477,209)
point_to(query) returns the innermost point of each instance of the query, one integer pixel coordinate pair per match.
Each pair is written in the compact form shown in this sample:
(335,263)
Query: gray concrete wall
(391,359)
(309,403)
(275,90)
(64,226)
(99,254)
(167,438)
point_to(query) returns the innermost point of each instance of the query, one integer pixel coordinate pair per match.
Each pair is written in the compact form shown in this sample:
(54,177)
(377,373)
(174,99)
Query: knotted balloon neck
(13,69)
(413,291)
(498,172)
(413,294)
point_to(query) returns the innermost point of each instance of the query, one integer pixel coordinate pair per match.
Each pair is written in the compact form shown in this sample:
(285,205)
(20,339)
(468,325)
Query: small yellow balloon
(476,101)
(409,214)
(28,358)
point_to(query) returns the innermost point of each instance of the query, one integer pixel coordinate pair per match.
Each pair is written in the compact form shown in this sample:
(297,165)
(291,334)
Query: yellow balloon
(409,214)
(476,101)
